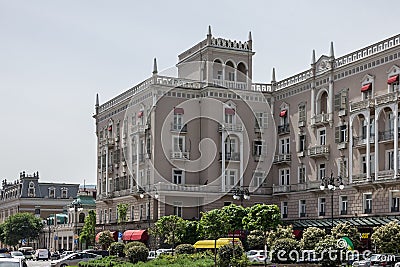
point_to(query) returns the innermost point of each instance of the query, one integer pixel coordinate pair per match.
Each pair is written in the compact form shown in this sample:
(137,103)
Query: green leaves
(262,217)
(20,226)
(172,228)
(387,237)
(88,232)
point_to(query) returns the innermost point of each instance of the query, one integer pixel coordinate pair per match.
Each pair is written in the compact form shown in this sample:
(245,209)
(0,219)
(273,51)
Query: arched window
(242,72)
(31,189)
(230,71)
(217,70)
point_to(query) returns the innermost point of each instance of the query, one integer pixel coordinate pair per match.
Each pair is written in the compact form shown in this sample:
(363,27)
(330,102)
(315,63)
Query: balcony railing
(282,158)
(179,155)
(361,140)
(231,127)
(178,128)
(280,189)
(234,156)
(319,151)
(322,118)
(360,105)
(386,135)
(230,84)
(386,98)
(360,178)
(283,129)
(188,187)
(394,209)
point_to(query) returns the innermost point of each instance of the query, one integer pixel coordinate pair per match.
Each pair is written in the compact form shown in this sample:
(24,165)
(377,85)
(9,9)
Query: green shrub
(185,249)
(137,253)
(117,249)
(133,244)
(225,254)
(283,247)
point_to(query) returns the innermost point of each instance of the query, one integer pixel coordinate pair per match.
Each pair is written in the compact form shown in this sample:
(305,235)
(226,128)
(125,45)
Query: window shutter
(344,97)
(337,134)
(337,101)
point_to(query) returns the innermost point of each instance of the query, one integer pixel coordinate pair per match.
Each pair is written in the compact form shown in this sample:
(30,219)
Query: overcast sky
(56,55)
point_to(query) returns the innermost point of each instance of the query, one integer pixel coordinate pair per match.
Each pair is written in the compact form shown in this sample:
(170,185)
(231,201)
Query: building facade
(151,153)
(339,118)
(337,122)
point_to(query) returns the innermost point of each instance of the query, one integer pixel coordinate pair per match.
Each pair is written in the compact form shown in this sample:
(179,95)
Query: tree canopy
(88,232)
(171,228)
(20,226)
(387,237)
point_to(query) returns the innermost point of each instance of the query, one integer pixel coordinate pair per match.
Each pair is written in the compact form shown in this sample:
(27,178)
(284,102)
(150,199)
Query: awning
(110,128)
(283,113)
(140,114)
(178,111)
(113,233)
(135,235)
(229,111)
(366,87)
(393,79)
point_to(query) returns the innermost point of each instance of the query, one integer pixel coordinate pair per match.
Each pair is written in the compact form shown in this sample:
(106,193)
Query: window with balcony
(343,205)
(321,171)
(178,176)
(366,91)
(395,201)
(178,143)
(284,208)
(371,163)
(229,116)
(302,142)
(284,146)
(368,203)
(178,208)
(322,137)
(342,167)
(340,101)
(321,206)
(389,160)
(284,176)
(177,123)
(230,179)
(258,179)
(302,174)
(258,148)
(302,208)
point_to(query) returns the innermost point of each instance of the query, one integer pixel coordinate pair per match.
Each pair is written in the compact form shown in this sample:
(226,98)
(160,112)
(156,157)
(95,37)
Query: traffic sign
(23,242)
(119,234)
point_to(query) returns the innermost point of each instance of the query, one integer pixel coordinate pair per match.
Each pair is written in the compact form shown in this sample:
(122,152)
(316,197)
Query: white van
(42,254)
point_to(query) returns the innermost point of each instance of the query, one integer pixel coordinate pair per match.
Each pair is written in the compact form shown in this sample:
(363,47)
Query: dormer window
(52,192)
(31,189)
(393,83)
(64,192)
(229,115)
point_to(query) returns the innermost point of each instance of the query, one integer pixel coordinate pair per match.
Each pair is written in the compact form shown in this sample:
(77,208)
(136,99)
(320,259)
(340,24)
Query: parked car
(12,262)
(42,254)
(257,256)
(103,253)
(55,255)
(74,259)
(163,251)
(66,253)
(17,254)
(5,255)
(28,252)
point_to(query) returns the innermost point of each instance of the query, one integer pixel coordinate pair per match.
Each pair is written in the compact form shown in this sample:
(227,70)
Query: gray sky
(56,55)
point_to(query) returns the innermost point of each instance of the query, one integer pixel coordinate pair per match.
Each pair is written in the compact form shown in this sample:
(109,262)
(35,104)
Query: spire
(273,76)
(313,57)
(209,36)
(331,53)
(155,67)
(250,39)
(97,100)
(209,30)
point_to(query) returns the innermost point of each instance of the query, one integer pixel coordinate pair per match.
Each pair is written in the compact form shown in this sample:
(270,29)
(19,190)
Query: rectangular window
(258,179)
(258,148)
(343,205)
(284,207)
(231,76)
(178,122)
(302,208)
(368,203)
(395,201)
(261,120)
(341,134)
(110,215)
(322,137)
(302,143)
(177,176)
(284,176)
(371,163)
(321,171)
(142,211)
(321,206)
(302,174)
(179,143)
(148,211)
(230,179)
(229,118)
(219,75)
(132,213)
(178,208)
(302,113)
(284,147)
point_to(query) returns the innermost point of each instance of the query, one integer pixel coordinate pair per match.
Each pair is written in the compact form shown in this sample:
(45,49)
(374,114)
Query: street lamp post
(142,193)
(76,206)
(331,183)
(48,225)
(241,193)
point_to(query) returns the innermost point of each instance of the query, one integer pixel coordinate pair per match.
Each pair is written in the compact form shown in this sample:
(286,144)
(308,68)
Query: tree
(122,209)
(263,218)
(234,215)
(282,250)
(213,225)
(346,230)
(88,233)
(105,239)
(387,237)
(191,235)
(311,236)
(255,239)
(172,228)
(280,232)
(21,226)
(328,252)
